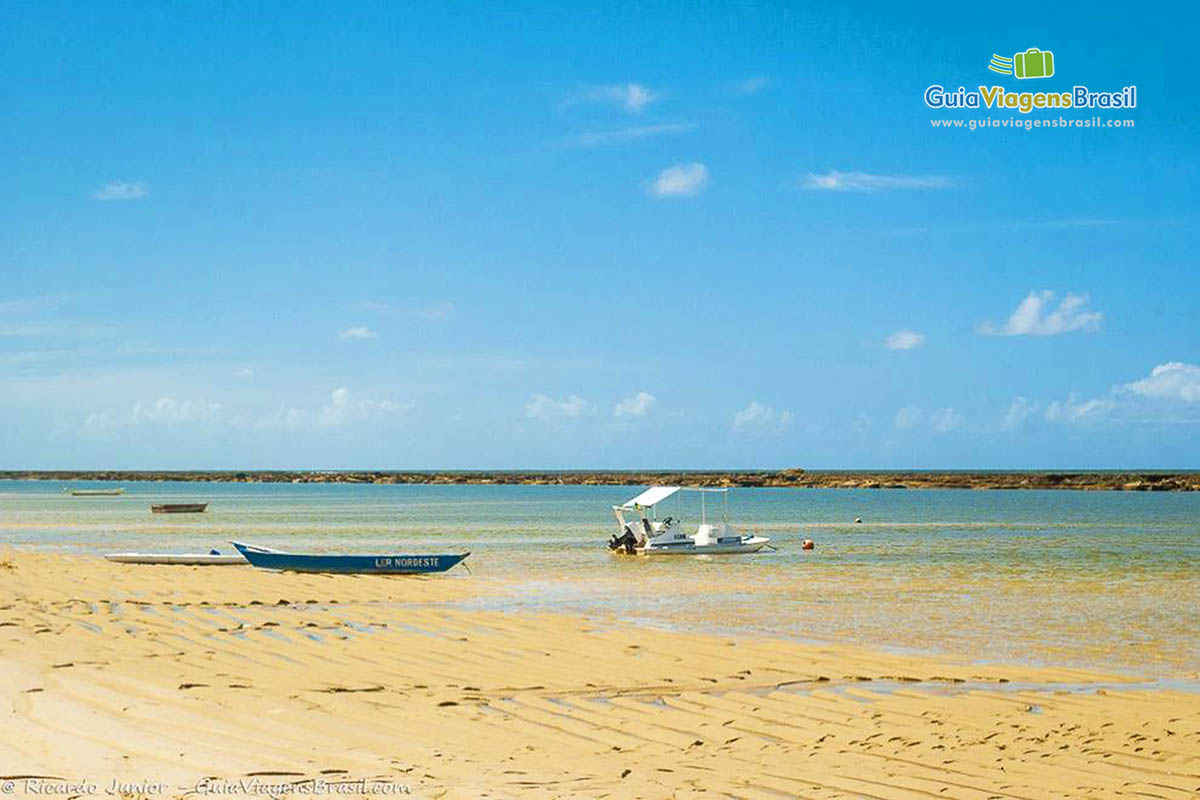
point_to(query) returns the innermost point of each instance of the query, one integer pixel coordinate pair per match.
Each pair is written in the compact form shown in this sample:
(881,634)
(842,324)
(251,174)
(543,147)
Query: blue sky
(359,235)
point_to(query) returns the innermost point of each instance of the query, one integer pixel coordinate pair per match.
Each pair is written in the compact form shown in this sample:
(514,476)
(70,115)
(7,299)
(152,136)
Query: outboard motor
(626,541)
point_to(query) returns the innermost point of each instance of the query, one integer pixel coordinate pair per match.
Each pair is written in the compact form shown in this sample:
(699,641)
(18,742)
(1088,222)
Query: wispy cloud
(44,317)
(163,411)
(866,182)
(944,420)
(633,97)
(908,418)
(31,305)
(761,418)
(622,135)
(1169,395)
(639,405)
(244,372)
(1034,316)
(343,408)
(1019,410)
(120,190)
(1022,225)
(904,340)
(437,311)
(1073,410)
(58,328)
(1171,381)
(544,407)
(357,332)
(681,180)
(24,329)
(752,85)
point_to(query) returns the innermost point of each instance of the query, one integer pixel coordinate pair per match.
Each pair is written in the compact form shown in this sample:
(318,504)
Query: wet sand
(174,674)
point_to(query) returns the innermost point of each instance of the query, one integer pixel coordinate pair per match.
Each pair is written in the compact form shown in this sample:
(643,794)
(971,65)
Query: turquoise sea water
(1086,578)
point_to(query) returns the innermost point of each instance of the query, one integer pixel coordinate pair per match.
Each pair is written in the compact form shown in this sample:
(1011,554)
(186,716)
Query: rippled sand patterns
(169,673)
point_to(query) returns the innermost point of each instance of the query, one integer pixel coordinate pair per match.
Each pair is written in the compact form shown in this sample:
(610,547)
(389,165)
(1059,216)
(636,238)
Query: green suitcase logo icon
(1033,63)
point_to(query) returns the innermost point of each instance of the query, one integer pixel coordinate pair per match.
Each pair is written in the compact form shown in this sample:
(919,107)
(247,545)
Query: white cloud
(120,190)
(865,182)
(1018,412)
(1072,410)
(541,406)
(749,86)
(633,97)
(163,411)
(244,372)
(621,135)
(1167,396)
(639,405)
(357,332)
(343,408)
(908,418)
(905,340)
(170,411)
(760,418)
(944,420)
(1172,381)
(1034,317)
(681,180)
(285,417)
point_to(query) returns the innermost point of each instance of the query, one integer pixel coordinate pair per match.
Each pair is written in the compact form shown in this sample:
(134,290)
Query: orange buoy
(807,544)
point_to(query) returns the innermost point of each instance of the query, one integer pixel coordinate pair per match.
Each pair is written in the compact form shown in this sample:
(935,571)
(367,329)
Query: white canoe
(192,559)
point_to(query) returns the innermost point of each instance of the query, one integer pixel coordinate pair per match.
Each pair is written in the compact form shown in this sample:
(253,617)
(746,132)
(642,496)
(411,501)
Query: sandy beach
(181,681)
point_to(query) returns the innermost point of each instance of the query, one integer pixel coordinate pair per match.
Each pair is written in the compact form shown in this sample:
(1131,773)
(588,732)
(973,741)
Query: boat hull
(180,559)
(396,564)
(179,508)
(96,492)
(752,545)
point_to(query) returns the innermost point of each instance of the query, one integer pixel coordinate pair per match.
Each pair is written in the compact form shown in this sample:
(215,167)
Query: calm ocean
(1103,579)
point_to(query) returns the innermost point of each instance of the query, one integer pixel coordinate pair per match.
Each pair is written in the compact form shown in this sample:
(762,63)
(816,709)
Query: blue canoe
(267,558)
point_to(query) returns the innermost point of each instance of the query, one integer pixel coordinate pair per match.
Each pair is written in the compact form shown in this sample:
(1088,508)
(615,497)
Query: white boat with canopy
(641,532)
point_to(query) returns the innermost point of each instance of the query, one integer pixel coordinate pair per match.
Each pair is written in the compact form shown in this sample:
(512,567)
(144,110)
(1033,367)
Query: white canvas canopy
(651,497)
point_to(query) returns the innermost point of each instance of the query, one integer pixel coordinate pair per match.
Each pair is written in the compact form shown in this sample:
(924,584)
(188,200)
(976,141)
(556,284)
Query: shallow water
(1085,578)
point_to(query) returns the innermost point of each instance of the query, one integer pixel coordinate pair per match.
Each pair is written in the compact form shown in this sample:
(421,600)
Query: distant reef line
(1146,480)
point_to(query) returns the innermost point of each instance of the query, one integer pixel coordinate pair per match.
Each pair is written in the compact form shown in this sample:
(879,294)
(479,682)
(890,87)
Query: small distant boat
(178,508)
(212,558)
(95,492)
(406,564)
(648,536)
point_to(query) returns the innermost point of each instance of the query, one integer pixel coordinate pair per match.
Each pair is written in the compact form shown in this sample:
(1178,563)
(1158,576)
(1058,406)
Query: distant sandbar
(1183,481)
